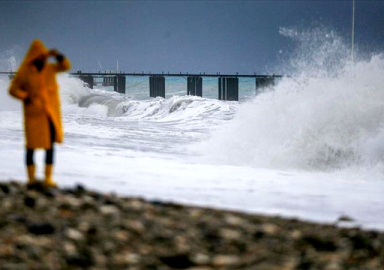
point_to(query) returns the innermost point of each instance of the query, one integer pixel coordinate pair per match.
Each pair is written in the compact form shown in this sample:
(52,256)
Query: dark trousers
(48,152)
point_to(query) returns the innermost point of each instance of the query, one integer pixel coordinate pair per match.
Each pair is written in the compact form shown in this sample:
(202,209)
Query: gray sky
(193,36)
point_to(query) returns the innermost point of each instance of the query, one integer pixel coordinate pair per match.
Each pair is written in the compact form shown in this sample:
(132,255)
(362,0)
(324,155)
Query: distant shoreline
(81,229)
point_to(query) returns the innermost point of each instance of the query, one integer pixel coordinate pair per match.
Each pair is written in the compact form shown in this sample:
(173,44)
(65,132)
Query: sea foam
(327,116)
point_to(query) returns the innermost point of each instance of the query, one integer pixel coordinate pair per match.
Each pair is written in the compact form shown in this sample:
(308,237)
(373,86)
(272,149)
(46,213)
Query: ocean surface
(312,147)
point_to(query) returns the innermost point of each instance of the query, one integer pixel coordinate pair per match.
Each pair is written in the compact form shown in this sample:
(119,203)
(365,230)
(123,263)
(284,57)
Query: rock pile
(81,229)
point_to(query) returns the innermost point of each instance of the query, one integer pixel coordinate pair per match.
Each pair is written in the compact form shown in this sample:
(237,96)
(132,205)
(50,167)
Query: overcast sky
(193,36)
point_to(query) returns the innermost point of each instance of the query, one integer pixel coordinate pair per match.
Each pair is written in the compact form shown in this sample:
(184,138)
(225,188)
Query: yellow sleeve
(64,65)
(16,89)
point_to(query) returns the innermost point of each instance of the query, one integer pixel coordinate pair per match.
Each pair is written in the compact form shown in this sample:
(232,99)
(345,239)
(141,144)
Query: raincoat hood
(36,49)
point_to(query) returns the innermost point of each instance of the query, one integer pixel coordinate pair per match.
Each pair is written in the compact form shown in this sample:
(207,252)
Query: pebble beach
(78,228)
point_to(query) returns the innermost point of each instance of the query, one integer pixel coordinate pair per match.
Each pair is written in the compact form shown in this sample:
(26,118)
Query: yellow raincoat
(41,90)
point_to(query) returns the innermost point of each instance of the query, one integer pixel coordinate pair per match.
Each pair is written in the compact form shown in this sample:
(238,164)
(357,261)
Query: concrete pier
(228,88)
(119,83)
(228,84)
(264,82)
(157,86)
(108,81)
(195,86)
(88,79)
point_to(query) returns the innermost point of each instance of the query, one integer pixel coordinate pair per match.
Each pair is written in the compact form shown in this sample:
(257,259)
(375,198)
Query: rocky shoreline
(81,229)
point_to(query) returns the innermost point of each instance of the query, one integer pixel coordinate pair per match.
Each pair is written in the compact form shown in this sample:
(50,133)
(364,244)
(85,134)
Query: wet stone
(74,235)
(180,261)
(37,186)
(82,259)
(41,228)
(79,189)
(200,259)
(320,244)
(345,218)
(5,189)
(230,234)
(109,210)
(224,260)
(29,201)
(270,229)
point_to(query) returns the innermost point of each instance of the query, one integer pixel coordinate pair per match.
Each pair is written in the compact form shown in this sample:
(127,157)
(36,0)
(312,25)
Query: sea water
(137,87)
(310,147)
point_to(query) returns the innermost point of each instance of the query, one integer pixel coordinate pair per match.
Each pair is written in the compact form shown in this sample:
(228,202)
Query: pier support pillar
(195,86)
(119,83)
(157,86)
(11,76)
(109,81)
(263,82)
(88,79)
(228,88)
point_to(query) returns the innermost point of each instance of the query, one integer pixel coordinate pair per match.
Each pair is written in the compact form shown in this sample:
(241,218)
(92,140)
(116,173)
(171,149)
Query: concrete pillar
(119,83)
(195,86)
(110,81)
(88,79)
(228,88)
(157,86)
(263,82)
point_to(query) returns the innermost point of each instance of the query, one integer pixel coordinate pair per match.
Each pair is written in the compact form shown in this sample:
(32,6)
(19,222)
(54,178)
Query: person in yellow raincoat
(35,85)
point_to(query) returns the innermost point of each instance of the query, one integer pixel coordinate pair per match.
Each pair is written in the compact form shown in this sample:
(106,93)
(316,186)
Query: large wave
(181,108)
(78,99)
(328,116)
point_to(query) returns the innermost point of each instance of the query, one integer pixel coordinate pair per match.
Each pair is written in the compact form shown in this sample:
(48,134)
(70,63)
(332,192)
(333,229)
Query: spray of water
(328,116)
(10,59)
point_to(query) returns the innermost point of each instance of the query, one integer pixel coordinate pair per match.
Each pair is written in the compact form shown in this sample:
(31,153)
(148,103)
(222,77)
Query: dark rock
(83,259)
(304,265)
(92,236)
(79,189)
(319,244)
(96,196)
(41,228)
(37,186)
(110,201)
(29,201)
(4,188)
(65,206)
(50,193)
(345,219)
(88,206)
(180,261)
(165,204)
(258,235)
(92,231)
(359,242)
(157,203)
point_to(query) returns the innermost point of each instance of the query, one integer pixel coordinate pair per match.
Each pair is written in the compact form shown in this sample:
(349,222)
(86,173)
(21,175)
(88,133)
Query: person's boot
(31,174)
(48,176)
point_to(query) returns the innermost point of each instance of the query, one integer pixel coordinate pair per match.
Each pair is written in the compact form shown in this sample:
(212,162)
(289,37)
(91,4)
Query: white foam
(328,116)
